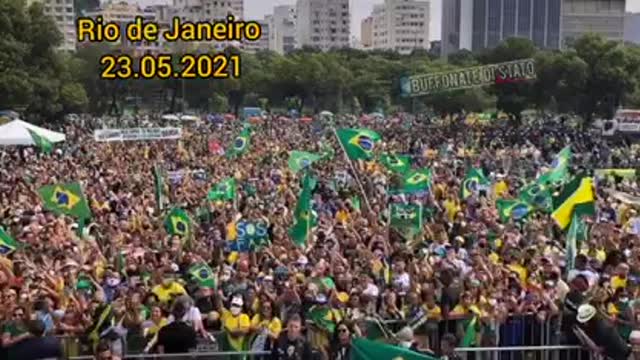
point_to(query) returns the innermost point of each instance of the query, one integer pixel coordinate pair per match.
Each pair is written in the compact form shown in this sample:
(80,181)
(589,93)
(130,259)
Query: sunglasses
(343,330)
(18,314)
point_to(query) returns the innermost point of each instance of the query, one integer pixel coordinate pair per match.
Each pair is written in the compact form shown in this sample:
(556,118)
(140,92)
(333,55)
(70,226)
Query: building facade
(263,42)
(282,32)
(604,17)
(401,25)
(366,33)
(456,32)
(632,28)
(323,24)
(64,16)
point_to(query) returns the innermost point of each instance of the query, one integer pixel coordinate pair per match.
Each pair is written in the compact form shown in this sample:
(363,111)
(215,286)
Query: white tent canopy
(16,132)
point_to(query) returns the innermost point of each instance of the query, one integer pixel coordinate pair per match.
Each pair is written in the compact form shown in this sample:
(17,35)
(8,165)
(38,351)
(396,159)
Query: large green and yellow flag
(223,191)
(515,209)
(7,243)
(577,197)
(359,144)
(203,275)
(559,172)
(303,216)
(364,349)
(299,160)
(416,181)
(407,218)
(473,182)
(241,143)
(65,199)
(178,222)
(537,195)
(397,163)
(44,144)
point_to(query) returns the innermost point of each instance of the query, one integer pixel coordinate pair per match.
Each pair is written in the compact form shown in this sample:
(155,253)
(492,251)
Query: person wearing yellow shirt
(266,327)
(452,207)
(235,324)
(501,188)
(168,289)
(619,280)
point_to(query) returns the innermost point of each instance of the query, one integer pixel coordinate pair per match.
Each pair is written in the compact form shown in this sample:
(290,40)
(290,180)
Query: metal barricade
(527,353)
(222,355)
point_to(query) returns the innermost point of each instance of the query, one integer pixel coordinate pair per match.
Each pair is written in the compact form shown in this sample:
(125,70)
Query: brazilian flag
(358,144)
(364,349)
(65,199)
(559,172)
(407,218)
(397,163)
(7,243)
(417,180)
(203,275)
(299,160)
(44,144)
(241,143)
(303,213)
(224,190)
(576,198)
(537,195)
(512,209)
(473,182)
(178,222)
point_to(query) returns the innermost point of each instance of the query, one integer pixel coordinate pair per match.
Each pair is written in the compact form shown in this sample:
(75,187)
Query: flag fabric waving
(407,218)
(512,209)
(303,217)
(364,349)
(299,160)
(396,163)
(537,195)
(576,234)
(473,182)
(178,222)
(559,171)
(576,197)
(417,180)
(203,275)
(65,199)
(241,143)
(224,190)
(470,334)
(44,144)
(158,183)
(7,243)
(358,143)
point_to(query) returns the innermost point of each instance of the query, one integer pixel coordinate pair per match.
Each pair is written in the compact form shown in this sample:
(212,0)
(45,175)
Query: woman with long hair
(341,344)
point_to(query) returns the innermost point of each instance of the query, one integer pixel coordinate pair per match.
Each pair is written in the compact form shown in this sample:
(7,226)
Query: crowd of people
(122,284)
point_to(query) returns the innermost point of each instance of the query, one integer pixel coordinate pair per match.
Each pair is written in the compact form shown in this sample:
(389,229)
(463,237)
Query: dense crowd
(122,284)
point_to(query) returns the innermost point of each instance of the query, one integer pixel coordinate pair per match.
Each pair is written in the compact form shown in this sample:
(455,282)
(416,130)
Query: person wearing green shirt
(15,330)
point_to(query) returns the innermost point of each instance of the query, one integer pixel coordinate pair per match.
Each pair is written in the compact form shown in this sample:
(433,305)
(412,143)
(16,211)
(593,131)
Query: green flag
(470,334)
(178,222)
(407,218)
(303,217)
(473,182)
(358,144)
(7,243)
(241,143)
(299,160)
(537,195)
(396,163)
(321,317)
(559,172)
(416,181)
(576,229)
(203,275)
(44,144)
(512,209)
(364,349)
(158,182)
(224,190)
(65,199)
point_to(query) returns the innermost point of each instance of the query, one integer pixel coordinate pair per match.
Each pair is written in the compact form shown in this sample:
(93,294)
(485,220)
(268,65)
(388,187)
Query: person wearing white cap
(599,335)
(236,323)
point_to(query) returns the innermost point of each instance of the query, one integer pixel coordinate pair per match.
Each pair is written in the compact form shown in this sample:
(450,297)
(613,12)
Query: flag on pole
(158,182)
(577,233)
(65,199)
(364,349)
(224,190)
(241,143)
(578,197)
(512,209)
(417,180)
(44,144)
(203,275)
(559,171)
(470,334)
(7,243)
(358,144)
(473,182)
(397,163)
(303,217)
(299,160)
(178,222)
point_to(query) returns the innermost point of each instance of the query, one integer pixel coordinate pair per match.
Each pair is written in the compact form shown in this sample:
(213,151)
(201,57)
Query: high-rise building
(604,17)
(632,28)
(456,33)
(209,10)
(282,31)
(263,42)
(323,24)
(401,25)
(366,33)
(64,15)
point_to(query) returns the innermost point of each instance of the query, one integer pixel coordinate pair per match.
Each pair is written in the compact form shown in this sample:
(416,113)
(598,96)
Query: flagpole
(353,169)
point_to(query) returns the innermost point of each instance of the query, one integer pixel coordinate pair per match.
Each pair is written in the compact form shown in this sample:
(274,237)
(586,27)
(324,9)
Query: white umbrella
(16,132)
(189,118)
(170,117)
